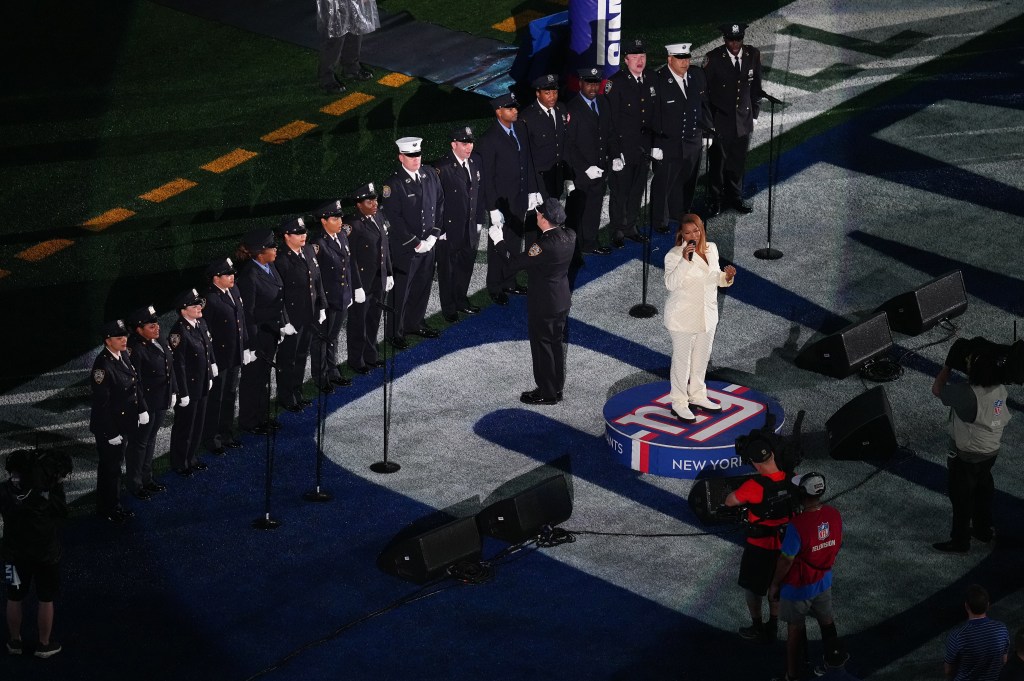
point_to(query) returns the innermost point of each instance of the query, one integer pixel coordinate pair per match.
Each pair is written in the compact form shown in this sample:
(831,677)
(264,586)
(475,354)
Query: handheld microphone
(694,244)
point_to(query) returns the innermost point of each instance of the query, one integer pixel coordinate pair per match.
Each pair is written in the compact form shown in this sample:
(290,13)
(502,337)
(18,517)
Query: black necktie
(469,175)
(593,105)
(736,59)
(512,134)
(554,121)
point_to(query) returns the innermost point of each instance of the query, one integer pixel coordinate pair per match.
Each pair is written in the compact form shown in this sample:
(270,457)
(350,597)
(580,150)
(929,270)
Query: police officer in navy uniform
(680,111)
(510,190)
(589,151)
(194,370)
(369,243)
(341,286)
(461,221)
(547,305)
(630,95)
(154,367)
(413,202)
(734,90)
(118,409)
(224,315)
(306,305)
(547,121)
(262,292)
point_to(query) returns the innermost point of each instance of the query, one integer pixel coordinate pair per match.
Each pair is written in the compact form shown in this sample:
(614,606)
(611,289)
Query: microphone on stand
(690,256)
(773,100)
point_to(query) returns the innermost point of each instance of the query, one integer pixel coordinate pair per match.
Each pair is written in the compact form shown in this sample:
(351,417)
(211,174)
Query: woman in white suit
(692,277)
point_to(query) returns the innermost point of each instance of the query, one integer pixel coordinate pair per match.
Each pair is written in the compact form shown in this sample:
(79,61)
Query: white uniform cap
(410,146)
(678,49)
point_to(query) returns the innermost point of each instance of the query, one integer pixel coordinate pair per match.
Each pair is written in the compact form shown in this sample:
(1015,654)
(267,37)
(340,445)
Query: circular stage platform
(642,433)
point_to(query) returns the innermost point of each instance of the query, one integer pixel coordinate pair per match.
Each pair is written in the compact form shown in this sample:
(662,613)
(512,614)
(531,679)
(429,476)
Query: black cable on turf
(886,370)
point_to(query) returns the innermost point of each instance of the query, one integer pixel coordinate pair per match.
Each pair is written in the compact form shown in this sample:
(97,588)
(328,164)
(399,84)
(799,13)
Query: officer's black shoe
(752,632)
(360,370)
(637,237)
(362,74)
(534,397)
(304,402)
(154,487)
(185,472)
(378,364)
(399,342)
(114,517)
(327,389)
(217,451)
(500,298)
(452,318)
(332,88)
(661,229)
(619,242)
(341,381)
(124,513)
(274,424)
(950,547)
(712,209)
(470,309)
(426,332)
(520,290)
(741,206)
(600,250)
(293,408)
(142,494)
(233,444)
(200,466)
(260,429)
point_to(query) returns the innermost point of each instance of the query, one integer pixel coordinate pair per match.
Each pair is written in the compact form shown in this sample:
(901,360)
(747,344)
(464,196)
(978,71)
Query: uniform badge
(535,250)
(347,229)
(98,375)
(385,191)
(823,531)
(174,340)
(607,87)
(653,93)
(316,249)
(438,171)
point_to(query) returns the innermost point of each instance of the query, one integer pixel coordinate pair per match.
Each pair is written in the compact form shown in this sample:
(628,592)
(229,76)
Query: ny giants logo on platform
(657,419)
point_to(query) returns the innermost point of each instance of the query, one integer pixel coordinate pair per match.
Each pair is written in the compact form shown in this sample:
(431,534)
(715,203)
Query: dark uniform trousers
(324,359)
(116,404)
(292,354)
(138,463)
(627,191)
(154,366)
(547,335)
(411,292)
(971,490)
(219,422)
(370,251)
(254,385)
(674,184)
(726,159)
(108,471)
(455,272)
(514,232)
(186,432)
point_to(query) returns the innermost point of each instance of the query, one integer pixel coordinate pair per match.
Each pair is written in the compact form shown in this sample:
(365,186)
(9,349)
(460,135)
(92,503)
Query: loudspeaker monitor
(427,556)
(862,428)
(521,517)
(917,311)
(845,352)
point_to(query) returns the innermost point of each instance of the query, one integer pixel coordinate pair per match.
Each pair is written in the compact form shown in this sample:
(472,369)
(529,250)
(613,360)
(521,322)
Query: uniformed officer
(547,305)
(306,305)
(461,221)
(588,150)
(342,287)
(118,409)
(413,202)
(154,367)
(680,111)
(734,90)
(262,292)
(194,371)
(630,95)
(510,190)
(369,243)
(547,121)
(224,315)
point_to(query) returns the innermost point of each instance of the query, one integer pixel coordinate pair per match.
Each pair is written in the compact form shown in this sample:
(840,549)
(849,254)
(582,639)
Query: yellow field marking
(164,192)
(288,132)
(395,79)
(229,161)
(104,220)
(44,250)
(347,103)
(513,24)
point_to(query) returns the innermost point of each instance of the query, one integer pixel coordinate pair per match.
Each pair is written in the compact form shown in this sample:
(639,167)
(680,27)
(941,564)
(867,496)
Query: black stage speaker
(917,311)
(427,556)
(862,428)
(522,516)
(707,496)
(845,352)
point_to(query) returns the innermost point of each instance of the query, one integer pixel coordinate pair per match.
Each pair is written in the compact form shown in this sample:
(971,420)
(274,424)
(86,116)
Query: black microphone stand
(643,309)
(266,522)
(384,465)
(317,493)
(770,253)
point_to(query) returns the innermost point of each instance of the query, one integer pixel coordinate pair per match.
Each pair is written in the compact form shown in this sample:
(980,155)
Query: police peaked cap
(330,210)
(114,329)
(258,239)
(143,316)
(219,268)
(552,211)
(548,82)
(635,46)
(292,226)
(367,191)
(505,101)
(187,298)
(733,31)
(592,74)
(463,134)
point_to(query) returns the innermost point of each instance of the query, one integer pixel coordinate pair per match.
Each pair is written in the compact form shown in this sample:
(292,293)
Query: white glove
(184,401)
(421,247)
(389,284)
(116,440)
(534,200)
(478,228)
(593,172)
(497,218)
(209,385)
(618,163)
(288,330)
(323,316)
(213,370)
(431,241)
(143,418)
(754,121)
(360,295)
(706,143)
(657,154)
(570,187)
(174,400)
(443,237)
(496,234)
(248,356)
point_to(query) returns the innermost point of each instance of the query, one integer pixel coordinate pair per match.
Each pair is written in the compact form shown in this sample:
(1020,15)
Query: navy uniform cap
(592,74)
(142,316)
(367,191)
(635,46)
(552,211)
(463,134)
(258,239)
(733,31)
(221,267)
(114,329)
(505,101)
(548,82)
(188,297)
(330,210)
(293,226)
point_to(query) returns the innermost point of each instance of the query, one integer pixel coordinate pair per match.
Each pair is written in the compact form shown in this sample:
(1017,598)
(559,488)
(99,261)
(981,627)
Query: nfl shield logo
(822,531)
(997,407)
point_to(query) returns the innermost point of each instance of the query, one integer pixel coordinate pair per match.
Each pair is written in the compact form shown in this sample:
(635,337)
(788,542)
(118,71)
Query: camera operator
(768,498)
(33,506)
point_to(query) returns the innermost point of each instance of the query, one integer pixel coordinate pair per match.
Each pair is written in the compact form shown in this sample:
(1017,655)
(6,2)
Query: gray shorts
(819,607)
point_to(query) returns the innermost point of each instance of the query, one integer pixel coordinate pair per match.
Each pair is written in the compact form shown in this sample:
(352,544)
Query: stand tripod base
(266,523)
(643,310)
(767,253)
(317,495)
(384,467)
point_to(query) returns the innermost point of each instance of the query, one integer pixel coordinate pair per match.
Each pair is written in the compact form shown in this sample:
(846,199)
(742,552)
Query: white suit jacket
(692,304)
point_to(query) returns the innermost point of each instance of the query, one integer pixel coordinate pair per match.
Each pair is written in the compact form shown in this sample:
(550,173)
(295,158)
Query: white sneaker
(686,416)
(706,404)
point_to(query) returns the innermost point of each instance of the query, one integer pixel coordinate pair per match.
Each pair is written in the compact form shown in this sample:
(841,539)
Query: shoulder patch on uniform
(707,60)
(535,250)
(174,340)
(385,191)
(568,116)
(98,375)
(316,249)
(347,229)
(438,171)
(607,87)
(128,350)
